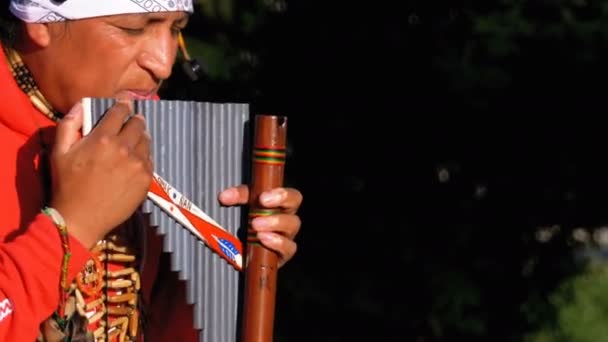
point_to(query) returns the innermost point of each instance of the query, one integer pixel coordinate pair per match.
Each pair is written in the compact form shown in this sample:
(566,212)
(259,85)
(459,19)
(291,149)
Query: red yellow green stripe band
(272,156)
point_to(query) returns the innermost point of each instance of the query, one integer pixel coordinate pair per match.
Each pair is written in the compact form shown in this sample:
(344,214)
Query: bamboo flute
(268,161)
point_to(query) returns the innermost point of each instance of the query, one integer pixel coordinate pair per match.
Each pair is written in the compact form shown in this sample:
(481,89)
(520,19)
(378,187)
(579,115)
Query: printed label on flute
(194,219)
(177,198)
(185,203)
(163,184)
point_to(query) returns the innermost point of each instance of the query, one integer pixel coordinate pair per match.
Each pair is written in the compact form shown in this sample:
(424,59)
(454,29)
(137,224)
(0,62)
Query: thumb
(68,129)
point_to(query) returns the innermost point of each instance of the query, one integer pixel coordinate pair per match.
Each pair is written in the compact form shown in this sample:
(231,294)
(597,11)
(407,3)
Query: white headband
(44,11)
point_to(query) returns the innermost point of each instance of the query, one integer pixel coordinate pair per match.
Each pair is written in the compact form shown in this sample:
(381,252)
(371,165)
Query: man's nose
(159,54)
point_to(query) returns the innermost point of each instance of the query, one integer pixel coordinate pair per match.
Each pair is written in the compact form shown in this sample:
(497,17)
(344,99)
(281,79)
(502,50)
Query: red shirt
(30,249)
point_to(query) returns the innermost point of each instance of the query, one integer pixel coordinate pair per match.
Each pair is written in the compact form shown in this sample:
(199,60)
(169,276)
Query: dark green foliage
(427,139)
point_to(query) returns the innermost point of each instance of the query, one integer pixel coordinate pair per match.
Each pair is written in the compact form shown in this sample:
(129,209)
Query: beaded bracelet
(63,232)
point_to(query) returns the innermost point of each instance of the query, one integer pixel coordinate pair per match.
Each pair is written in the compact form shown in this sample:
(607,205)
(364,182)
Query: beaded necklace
(26,82)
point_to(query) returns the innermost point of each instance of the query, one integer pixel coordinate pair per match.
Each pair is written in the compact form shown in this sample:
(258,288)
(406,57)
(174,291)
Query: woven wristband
(63,232)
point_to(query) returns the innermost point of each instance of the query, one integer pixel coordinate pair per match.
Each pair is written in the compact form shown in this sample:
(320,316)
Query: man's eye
(132,30)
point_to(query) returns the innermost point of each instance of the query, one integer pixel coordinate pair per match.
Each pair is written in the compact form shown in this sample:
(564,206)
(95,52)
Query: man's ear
(38,33)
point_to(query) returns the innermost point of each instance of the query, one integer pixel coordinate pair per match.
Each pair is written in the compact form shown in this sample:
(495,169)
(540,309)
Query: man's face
(113,56)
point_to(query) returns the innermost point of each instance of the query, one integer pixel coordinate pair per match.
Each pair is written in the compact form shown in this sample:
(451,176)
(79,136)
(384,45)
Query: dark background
(432,141)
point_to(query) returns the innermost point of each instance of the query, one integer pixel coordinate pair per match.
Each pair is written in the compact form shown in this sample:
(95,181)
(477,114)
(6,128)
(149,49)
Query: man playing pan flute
(69,204)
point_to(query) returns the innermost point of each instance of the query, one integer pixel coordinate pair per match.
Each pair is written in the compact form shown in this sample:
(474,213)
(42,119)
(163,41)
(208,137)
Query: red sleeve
(30,271)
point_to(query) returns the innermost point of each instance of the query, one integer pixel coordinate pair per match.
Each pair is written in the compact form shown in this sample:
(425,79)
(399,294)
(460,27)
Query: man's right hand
(100,180)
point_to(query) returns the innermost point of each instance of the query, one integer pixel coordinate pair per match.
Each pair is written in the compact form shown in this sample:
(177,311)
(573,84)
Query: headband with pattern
(44,11)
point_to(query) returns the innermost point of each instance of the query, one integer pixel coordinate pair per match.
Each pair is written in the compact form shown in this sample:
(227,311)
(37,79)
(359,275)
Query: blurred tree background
(454,182)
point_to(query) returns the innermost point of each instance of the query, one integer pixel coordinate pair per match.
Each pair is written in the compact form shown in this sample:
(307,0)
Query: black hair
(9,26)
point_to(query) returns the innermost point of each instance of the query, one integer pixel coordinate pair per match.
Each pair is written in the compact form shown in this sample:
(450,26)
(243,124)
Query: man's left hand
(277,232)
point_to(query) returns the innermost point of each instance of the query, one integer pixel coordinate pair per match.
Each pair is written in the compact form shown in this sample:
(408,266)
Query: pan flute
(198,150)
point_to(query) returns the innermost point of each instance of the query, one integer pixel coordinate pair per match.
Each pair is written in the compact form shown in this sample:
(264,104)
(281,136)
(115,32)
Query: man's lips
(140,94)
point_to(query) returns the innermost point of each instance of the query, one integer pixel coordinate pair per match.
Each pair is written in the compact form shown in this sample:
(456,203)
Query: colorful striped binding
(273,156)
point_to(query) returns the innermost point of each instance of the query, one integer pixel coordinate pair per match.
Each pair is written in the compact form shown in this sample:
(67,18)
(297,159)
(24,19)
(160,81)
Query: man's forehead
(178,16)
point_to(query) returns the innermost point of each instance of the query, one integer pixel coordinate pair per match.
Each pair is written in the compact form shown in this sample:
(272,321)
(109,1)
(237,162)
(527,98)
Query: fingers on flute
(142,150)
(133,131)
(68,130)
(112,121)
(283,246)
(281,224)
(234,195)
(287,198)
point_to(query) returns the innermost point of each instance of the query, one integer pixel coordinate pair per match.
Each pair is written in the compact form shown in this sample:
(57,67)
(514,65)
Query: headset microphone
(191,66)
